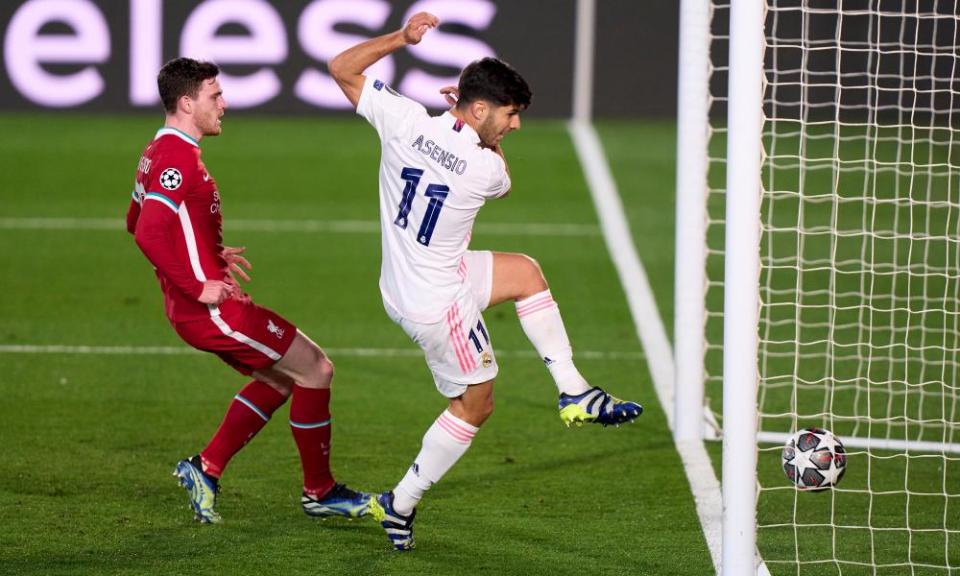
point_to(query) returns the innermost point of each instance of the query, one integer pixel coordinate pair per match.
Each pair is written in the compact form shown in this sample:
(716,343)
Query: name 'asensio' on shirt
(448,160)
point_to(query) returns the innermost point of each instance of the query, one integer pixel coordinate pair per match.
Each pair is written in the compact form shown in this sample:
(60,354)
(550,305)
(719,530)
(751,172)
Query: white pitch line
(623,252)
(306,226)
(653,337)
(333,352)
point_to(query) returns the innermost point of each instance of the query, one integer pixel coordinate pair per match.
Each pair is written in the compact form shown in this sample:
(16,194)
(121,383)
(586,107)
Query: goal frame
(742,268)
(745,121)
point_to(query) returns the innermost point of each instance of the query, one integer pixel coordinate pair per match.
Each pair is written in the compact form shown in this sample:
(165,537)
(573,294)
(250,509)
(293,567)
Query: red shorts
(245,336)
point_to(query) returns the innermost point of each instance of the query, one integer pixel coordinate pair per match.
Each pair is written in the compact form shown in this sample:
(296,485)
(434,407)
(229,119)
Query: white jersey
(434,177)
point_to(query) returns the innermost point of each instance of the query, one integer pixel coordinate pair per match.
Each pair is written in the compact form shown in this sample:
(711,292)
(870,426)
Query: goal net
(859,279)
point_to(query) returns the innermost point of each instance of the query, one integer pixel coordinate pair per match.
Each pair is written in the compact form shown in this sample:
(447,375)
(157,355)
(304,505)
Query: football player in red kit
(176,220)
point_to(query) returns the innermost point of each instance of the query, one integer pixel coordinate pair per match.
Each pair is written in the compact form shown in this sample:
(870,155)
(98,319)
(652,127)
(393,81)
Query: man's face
(208,107)
(499,121)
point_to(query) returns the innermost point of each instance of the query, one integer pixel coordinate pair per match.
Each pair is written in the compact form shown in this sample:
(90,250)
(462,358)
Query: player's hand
(215,292)
(451,94)
(232,256)
(418,25)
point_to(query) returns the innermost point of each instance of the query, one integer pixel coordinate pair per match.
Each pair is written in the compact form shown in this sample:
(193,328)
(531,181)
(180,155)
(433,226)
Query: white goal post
(818,274)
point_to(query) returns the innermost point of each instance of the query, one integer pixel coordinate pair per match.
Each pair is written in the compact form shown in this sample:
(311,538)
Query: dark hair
(493,80)
(183,77)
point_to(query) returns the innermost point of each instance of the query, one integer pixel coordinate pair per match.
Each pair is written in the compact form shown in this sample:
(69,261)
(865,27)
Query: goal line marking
(646,317)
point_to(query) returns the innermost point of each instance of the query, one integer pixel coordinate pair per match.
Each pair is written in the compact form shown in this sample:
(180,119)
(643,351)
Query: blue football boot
(201,489)
(399,528)
(598,407)
(339,501)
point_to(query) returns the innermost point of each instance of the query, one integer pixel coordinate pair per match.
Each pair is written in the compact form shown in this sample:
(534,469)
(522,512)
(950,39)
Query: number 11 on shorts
(475,339)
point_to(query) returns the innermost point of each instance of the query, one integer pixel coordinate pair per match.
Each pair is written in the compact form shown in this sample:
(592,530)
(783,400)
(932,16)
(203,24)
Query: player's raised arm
(348,66)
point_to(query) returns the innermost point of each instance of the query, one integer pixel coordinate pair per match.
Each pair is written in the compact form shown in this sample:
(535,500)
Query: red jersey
(175,219)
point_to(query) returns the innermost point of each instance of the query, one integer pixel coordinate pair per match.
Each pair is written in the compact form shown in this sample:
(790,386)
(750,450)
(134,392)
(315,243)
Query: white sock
(541,321)
(443,444)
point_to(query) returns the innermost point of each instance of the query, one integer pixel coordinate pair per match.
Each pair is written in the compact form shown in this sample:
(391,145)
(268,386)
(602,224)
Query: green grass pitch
(89,440)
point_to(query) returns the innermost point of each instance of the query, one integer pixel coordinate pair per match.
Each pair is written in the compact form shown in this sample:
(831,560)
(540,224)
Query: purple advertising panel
(103,55)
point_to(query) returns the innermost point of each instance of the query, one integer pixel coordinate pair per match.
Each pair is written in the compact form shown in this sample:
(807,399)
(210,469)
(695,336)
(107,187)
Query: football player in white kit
(435,174)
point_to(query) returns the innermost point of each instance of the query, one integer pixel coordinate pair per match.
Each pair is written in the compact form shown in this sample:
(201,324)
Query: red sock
(248,414)
(310,423)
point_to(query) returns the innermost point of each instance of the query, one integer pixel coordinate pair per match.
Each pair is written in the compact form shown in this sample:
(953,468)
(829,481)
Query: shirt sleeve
(159,222)
(386,110)
(133,214)
(171,175)
(499,178)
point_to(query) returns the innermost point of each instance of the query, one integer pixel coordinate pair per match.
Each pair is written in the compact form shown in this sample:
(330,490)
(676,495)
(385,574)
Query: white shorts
(458,349)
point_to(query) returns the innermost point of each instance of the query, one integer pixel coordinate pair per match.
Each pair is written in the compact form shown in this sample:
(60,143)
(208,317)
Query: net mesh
(860,279)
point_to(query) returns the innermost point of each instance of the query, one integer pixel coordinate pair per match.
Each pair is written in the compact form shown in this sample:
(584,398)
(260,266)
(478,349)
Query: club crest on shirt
(486,359)
(274,329)
(171,179)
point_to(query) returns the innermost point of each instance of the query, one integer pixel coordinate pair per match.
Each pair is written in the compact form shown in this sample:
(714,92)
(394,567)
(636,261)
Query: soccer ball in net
(814,459)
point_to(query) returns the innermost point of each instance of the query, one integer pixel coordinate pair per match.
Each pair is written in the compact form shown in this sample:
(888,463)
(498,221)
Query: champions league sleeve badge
(171,179)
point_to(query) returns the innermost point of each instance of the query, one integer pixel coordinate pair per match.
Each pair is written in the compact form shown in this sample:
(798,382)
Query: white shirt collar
(166,130)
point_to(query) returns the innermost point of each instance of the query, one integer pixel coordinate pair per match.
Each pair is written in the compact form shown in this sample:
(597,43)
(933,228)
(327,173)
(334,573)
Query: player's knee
(534,279)
(320,372)
(480,411)
(324,370)
(487,409)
